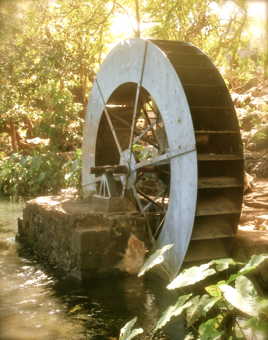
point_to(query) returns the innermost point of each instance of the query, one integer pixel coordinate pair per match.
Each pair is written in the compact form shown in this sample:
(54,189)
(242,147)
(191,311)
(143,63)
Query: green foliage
(72,170)
(229,308)
(47,67)
(174,311)
(50,51)
(199,273)
(201,305)
(48,55)
(244,296)
(28,175)
(200,23)
(208,330)
(128,332)
(191,276)
(260,138)
(155,259)
(254,262)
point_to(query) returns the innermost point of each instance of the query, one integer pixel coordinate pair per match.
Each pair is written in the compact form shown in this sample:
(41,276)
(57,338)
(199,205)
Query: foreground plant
(227,309)
(128,332)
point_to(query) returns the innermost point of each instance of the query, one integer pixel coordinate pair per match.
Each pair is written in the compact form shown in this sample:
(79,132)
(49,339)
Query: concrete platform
(85,239)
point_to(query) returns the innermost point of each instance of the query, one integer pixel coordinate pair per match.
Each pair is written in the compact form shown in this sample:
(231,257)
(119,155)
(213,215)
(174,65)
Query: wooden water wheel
(161,130)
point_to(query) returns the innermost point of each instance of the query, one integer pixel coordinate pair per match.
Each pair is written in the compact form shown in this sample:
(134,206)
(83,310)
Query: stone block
(82,241)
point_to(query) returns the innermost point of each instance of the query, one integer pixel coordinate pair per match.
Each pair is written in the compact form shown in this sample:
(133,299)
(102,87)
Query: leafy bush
(260,138)
(227,309)
(29,175)
(72,170)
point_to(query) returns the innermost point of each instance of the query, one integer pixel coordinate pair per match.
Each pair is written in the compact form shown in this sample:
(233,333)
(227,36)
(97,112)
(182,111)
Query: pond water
(37,303)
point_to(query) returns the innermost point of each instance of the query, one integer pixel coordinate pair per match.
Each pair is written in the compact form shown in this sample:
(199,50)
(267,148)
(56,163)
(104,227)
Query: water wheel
(161,130)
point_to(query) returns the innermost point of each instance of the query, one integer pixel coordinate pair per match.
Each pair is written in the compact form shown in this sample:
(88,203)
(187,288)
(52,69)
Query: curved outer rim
(124,65)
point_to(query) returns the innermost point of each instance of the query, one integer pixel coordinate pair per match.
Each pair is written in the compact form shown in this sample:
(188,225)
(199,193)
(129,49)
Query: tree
(200,23)
(48,66)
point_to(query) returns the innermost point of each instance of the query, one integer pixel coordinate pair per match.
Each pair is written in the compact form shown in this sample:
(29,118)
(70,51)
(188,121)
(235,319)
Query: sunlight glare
(257,10)
(123,26)
(257,15)
(225,11)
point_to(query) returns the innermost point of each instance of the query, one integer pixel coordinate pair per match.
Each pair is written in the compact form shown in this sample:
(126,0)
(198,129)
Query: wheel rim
(126,80)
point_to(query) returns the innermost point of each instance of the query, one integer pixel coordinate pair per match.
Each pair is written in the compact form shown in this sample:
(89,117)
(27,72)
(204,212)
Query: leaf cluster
(226,309)
(30,175)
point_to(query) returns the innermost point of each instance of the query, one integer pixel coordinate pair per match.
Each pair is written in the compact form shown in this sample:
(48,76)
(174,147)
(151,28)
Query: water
(36,303)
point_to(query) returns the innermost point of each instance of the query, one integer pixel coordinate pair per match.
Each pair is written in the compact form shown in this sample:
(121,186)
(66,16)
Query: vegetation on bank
(35,173)
(50,52)
(217,300)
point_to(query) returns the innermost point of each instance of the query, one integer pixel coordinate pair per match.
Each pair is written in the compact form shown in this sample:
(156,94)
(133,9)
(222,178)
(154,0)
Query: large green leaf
(155,259)
(191,276)
(244,296)
(173,311)
(223,264)
(246,287)
(193,313)
(208,330)
(127,332)
(200,306)
(254,262)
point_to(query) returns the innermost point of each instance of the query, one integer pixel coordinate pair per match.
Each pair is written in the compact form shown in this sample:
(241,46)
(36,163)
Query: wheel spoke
(157,230)
(165,158)
(149,122)
(136,196)
(109,120)
(137,99)
(148,199)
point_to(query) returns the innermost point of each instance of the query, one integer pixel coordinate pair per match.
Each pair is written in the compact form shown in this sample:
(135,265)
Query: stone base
(84,238)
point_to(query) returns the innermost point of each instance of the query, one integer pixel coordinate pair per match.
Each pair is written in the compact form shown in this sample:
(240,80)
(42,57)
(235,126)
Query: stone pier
(86,239)
(100,237)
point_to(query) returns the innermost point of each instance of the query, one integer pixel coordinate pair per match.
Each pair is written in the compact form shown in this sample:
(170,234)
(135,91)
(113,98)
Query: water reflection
(38,304)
